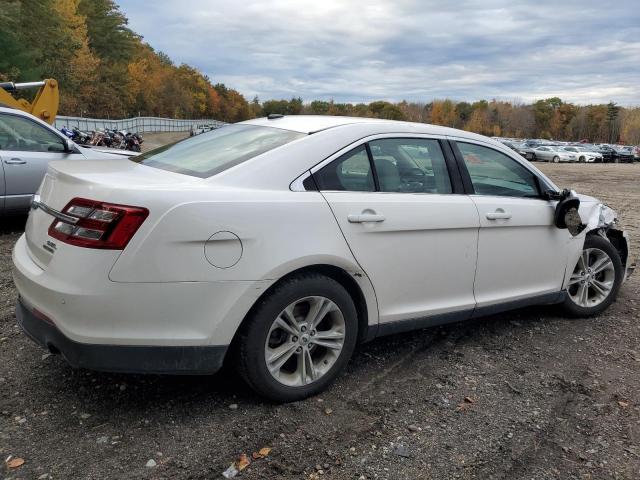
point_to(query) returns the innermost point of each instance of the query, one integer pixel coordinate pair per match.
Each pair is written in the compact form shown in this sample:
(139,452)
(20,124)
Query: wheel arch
(356,284)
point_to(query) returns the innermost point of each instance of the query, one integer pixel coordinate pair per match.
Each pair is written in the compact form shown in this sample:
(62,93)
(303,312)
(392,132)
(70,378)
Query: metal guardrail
(135,125)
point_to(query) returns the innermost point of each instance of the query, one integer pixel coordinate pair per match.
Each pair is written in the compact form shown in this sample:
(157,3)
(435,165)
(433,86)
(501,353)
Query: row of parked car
(548,151)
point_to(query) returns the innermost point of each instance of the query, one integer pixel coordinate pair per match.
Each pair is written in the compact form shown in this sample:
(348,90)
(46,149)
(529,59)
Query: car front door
(26,148)
(411,231)
(521,254)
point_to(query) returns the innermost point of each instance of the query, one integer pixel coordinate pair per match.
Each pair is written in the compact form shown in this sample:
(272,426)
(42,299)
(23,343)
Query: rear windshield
(215,151)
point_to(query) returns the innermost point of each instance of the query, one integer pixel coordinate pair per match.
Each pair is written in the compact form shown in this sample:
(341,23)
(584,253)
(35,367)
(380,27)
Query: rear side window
(22,135)
(213,152)
(410,165)
(494,173)
(351,172)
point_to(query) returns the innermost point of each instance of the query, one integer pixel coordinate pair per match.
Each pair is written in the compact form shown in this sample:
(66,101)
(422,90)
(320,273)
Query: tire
(259,336)
(598,248)
(582,160)
(556,159)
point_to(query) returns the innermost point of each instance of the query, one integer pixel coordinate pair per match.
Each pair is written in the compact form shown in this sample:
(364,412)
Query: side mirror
(69,146)
(566,214)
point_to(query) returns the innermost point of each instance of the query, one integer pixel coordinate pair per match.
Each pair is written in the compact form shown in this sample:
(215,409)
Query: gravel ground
(522,395)
(155,140)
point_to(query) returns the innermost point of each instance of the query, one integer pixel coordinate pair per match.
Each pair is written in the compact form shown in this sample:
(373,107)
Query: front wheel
(298,338)
(595,280)
(556,159)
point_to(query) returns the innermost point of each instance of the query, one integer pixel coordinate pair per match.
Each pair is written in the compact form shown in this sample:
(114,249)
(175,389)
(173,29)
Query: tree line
(550,118)
(105,70)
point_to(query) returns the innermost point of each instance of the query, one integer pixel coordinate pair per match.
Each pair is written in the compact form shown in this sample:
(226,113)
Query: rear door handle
(499,214)
(15,161)
(365,217)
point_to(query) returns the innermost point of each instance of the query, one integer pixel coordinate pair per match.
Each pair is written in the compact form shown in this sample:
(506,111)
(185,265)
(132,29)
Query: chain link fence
(135,125)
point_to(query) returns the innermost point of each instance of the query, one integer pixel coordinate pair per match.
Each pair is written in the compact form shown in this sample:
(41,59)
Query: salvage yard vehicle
(279,244)
(27,145)
(584,154)
(623,154)
(554,153)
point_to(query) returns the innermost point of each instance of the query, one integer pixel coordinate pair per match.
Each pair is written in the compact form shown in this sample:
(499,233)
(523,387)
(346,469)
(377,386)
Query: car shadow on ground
(130,392)
(12,224)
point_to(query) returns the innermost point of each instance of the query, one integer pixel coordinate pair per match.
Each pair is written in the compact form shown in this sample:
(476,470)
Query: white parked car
(280,243)
(584,154)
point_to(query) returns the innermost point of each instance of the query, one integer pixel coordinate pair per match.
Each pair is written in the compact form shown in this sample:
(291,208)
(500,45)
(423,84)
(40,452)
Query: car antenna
(274,116)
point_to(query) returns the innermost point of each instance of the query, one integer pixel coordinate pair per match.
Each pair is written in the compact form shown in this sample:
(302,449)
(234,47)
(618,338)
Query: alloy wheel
(304,341)
(593,278)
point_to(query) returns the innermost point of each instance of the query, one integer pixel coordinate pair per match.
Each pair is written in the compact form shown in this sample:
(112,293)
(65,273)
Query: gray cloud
(348,50)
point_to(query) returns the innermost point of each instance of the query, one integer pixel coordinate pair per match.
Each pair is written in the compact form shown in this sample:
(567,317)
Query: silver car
(27,145)
(552,153)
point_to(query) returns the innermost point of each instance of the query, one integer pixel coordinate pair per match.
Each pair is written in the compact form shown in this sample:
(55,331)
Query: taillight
(93,224)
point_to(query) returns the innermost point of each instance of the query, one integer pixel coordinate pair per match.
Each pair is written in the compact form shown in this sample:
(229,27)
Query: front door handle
(499,214)
(365,217)
(15,161)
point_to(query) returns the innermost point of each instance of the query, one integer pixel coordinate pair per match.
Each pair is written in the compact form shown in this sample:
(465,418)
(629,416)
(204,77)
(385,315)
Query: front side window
(215,151)
(494,173)
(410,165)
(350,172)
(23,135)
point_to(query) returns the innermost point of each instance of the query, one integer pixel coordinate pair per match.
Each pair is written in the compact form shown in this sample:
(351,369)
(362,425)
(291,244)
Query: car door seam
(373,288)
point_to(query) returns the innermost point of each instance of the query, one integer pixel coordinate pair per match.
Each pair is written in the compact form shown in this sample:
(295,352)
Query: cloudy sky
(351,50)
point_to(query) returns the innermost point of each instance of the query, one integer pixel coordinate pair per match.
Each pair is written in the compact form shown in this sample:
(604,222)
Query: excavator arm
(44,105)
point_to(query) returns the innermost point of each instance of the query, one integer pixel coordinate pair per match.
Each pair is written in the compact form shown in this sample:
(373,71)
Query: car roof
(307,123)
(316,123)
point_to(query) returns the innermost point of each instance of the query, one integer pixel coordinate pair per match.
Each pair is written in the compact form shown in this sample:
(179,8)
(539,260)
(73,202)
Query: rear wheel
(298,339)
(595,280)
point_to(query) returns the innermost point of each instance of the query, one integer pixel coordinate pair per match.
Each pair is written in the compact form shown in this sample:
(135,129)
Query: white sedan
(584,154)
(280,243)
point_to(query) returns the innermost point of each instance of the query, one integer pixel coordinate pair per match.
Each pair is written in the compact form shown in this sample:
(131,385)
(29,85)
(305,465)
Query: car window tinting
(494,173)
(410,165)
(213,152)
(23,135)
(350,172)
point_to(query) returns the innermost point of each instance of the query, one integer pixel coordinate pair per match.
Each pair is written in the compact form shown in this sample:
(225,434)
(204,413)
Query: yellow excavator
(44,105)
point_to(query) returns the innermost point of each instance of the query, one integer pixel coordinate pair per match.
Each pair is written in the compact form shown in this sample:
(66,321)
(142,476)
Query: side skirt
(400,326)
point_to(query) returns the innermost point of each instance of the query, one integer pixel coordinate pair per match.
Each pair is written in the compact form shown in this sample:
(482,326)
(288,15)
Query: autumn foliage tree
(104,69)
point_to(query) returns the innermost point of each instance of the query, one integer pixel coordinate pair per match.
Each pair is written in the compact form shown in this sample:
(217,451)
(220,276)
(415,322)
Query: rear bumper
(74,291)
(120,358)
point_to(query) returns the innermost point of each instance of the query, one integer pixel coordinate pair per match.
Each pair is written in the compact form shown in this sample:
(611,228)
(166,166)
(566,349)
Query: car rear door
(400,205)
(521,254)
(26,148)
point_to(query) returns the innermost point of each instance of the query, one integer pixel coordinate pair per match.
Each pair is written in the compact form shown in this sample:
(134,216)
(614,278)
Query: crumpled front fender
(600,220)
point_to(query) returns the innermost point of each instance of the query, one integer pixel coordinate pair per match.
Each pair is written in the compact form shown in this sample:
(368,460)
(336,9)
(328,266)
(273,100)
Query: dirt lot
(523,395)
(155,140)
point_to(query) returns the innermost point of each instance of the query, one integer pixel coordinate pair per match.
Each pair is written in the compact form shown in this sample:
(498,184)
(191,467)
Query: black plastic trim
(462,168)
(372,166)
(452,167)
(192,360)
(400,326)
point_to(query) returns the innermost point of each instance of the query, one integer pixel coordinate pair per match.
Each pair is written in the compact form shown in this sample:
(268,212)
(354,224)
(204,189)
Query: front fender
(599,220)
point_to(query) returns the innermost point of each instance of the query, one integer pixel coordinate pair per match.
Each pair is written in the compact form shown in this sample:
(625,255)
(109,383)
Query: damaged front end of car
(601,220)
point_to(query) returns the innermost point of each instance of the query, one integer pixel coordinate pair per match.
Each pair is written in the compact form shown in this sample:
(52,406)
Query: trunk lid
(116,181)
